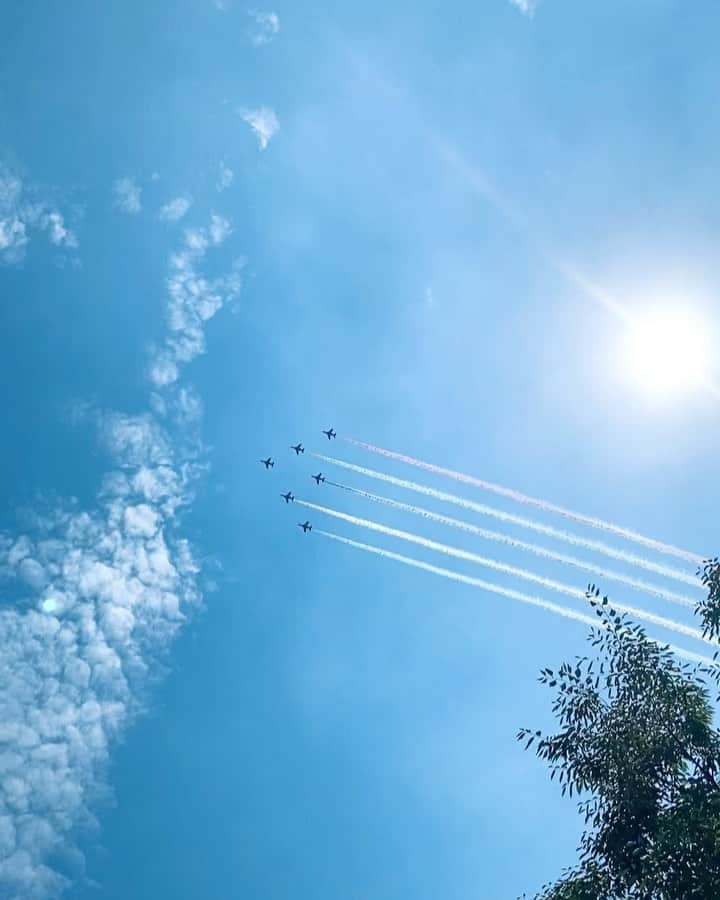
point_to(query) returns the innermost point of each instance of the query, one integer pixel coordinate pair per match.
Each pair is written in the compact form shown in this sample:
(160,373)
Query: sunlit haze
(668,351)
(464,259)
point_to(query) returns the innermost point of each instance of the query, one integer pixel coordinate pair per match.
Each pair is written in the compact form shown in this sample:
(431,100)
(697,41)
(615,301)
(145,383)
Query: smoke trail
(549,583)
(581,519)
(548,530)
(509,541)
(493,589)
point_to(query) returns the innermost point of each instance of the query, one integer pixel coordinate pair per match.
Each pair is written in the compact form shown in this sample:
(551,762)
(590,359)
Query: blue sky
(224,229)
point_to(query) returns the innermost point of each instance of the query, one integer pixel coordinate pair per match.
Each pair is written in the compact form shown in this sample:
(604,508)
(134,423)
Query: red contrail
(511,494)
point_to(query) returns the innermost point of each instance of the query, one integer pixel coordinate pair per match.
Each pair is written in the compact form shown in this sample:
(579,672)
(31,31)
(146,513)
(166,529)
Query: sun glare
(668,351)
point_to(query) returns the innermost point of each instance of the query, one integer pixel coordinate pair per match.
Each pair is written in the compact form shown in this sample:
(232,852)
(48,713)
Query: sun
(668,351)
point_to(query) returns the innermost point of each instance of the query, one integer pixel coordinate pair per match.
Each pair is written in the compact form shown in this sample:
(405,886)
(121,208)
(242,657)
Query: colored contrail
(650,543)
(492,588)
(544,552)
(456,552)
(501,515)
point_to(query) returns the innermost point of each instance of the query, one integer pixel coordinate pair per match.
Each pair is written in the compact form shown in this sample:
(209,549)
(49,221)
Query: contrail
(548,530)
(493,589)
(549,583)
(509,541)
(657,546)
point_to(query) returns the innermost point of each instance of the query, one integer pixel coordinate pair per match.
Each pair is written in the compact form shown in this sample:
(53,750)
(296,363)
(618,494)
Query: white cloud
(175,209)
(225,178)
(13,237)
(267,25)
(526,7)
(21,213)
(61,236)
(114,591)
(13,229)
(163,369)
(127,195)
(141,520)
(193,300)
(183,405)
(134,440)
(111,587)
(32,572)
(219,229)
(263,122)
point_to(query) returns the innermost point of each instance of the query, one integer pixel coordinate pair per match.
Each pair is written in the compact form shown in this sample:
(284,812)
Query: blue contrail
(544,552)
(549,583)
(495,589)
(501,515)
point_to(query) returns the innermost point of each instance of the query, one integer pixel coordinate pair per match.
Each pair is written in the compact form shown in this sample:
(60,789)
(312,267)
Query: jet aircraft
(298,448)
(318,478)
(269,463)
(330,433)
(288,498)
(306,526)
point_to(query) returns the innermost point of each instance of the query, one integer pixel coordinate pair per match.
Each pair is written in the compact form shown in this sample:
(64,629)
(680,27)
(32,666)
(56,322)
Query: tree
(638,745)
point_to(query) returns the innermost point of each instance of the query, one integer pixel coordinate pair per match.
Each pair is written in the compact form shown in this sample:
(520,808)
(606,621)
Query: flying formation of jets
(269,463)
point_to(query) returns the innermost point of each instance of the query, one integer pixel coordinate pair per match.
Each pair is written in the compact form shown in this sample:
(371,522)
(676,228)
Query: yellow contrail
(549,583)
(493,589)
(580,518)
(501,515)
(544,552)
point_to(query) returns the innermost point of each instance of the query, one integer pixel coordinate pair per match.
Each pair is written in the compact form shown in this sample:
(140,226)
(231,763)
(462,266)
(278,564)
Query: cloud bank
(103,594)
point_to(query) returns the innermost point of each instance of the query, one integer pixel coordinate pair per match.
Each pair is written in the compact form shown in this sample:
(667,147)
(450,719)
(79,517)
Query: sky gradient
(223,229)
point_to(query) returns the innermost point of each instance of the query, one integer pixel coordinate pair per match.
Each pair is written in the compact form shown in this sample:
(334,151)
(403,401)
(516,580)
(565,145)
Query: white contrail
(493,589)
(544,552)
(548,530)
(657,546)
(456,552)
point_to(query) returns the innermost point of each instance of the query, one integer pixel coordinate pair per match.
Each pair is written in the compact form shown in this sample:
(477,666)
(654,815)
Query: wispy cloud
(225,177)
(266,26)
(126,193)
(105,591)
(263,122)
(22,211)
(526,7)
(175,209)
(194,300)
